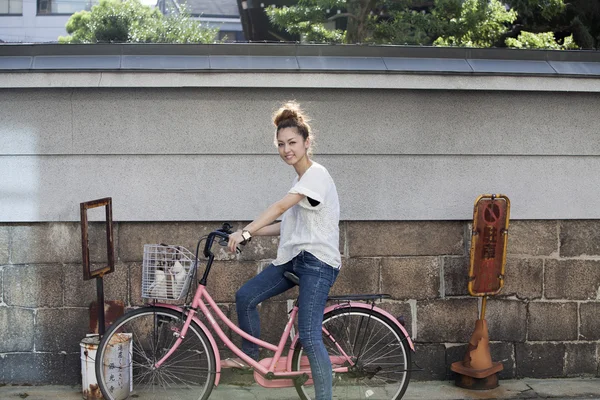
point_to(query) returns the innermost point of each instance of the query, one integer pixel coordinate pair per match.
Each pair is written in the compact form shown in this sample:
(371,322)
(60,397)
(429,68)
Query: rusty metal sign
(489,238)
(87,272)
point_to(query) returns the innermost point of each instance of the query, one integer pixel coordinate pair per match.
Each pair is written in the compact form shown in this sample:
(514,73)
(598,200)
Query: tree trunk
(356,30)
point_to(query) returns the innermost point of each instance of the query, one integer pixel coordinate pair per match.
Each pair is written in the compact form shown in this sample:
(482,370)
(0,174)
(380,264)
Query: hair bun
(289,111)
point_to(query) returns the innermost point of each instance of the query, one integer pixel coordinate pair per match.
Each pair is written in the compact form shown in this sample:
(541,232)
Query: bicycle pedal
(302,379)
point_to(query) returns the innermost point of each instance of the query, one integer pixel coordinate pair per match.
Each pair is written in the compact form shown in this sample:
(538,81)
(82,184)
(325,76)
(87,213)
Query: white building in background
(41,21)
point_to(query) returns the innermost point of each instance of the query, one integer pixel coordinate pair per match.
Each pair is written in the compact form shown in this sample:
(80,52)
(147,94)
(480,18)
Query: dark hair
(291,116)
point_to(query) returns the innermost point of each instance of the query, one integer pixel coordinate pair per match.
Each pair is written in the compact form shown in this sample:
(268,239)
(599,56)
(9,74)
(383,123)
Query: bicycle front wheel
(378,350)
(128,352)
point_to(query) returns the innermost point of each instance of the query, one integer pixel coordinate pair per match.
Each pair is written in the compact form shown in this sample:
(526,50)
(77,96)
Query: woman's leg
(316,278)
(270,282)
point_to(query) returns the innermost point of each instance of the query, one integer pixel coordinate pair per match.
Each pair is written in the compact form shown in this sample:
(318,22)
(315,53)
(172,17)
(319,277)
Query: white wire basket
(166,271)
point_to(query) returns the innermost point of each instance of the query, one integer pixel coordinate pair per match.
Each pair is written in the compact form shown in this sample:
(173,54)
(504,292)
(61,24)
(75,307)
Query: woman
(308,247)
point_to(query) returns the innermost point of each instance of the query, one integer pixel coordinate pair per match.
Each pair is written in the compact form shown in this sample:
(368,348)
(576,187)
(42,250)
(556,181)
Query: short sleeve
(313,184)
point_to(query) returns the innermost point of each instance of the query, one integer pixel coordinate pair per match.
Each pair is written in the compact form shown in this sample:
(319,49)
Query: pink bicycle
(164,351)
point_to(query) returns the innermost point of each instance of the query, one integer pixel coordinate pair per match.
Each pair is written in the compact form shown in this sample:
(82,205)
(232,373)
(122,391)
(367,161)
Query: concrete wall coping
(296,66)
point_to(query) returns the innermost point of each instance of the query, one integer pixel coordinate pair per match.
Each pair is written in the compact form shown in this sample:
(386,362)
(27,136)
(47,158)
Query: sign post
(489,238)
(88,273)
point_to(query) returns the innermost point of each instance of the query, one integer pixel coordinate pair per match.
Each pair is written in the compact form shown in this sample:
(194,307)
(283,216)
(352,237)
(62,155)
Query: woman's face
(291,145)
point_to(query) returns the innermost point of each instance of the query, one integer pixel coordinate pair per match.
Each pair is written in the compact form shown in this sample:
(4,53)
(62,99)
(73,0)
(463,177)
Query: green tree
(480,23)
(130,21)
(544,40)
(579,19)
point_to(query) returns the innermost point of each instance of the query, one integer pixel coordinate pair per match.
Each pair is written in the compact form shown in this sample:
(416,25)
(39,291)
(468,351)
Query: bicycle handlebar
(223,233)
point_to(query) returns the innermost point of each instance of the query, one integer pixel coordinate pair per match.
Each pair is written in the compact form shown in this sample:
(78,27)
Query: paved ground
(512,389)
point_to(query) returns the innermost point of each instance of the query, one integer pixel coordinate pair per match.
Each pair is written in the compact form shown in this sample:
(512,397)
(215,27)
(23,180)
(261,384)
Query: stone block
(552,321)
(16,329)
(59,330)
(80,293)
(598,352)
(572,279)
(403,238)
(4,244)
(33,285)
(40,368)
(456,276)
(411,278)
(454,353)
(523,278)
(343,235)
(46,243)
(540,360)
(589,317)
(135,284)
(97,243)
(226,277)
(432,358)
(398,309)
(72,369)
(534,238)
(580,359)
(227,310)
(507,320)
(579,238)
(358,275)
(134,235)
(505,353)
(273,317)
(440,321)
(4,370)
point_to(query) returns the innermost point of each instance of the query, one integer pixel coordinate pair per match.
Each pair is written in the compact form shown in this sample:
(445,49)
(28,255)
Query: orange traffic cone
(477,371)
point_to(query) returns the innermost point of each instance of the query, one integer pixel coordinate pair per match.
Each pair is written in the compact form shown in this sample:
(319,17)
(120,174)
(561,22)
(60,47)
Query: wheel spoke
(188,373)
(377,349)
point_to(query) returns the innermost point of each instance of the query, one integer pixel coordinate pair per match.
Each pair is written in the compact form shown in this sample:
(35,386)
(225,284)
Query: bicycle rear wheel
(147,334)
(377,348)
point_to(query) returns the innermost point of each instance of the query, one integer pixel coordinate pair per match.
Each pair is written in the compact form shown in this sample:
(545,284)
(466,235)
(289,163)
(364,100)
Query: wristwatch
(246,236)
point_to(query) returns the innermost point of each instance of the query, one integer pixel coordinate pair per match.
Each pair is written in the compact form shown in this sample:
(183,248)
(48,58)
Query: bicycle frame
(266,369)
(198,302)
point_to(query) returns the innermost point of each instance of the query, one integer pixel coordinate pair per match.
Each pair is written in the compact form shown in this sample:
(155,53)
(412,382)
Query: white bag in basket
(159,287)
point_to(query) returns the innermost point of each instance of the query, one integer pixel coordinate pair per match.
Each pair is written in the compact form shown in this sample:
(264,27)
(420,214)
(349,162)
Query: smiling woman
(308,247)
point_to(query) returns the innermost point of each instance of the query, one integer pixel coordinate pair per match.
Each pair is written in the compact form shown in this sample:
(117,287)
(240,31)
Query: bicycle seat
(292,277)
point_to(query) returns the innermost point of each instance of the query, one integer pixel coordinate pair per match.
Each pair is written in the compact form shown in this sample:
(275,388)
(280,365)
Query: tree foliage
(552,24)
(480,24)
(130,21)
(544,40)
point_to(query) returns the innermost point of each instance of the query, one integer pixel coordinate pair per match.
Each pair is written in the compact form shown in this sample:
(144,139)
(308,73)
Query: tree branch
(336,16)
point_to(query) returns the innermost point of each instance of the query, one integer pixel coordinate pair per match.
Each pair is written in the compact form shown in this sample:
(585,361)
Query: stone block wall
(545,323)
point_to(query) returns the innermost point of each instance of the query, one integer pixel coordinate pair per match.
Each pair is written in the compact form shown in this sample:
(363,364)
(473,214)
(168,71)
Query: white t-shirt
(312,228)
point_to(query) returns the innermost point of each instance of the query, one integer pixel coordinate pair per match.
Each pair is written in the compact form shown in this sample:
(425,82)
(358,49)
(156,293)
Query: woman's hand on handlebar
(235,240)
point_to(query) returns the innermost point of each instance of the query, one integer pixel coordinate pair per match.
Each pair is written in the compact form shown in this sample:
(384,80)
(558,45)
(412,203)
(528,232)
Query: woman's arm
(269,230)
(269,215)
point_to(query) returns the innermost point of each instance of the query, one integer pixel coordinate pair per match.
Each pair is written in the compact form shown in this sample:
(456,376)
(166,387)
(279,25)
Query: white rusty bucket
(117,367)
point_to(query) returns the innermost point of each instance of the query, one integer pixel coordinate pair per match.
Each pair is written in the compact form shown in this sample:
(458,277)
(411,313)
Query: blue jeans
(316,278)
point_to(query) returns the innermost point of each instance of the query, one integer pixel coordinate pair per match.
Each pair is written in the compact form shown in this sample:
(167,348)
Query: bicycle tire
(149,332)
(373,342)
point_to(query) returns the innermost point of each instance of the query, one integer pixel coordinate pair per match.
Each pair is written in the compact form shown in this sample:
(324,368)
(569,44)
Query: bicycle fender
(208,334)
(379,310)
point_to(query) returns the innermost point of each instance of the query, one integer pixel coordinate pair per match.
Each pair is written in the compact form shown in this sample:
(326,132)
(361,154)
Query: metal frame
(474,240)
(85,250)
